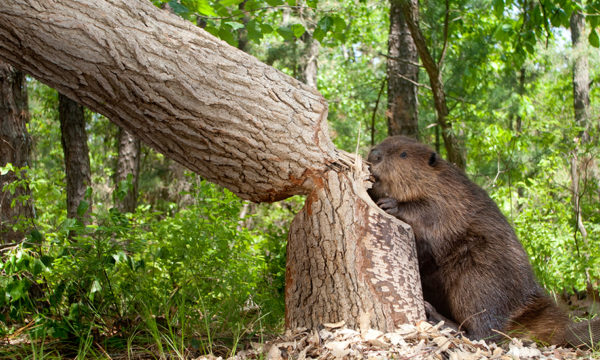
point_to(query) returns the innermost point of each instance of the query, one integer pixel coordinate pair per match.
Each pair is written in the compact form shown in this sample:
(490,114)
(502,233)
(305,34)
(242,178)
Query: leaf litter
(420,341)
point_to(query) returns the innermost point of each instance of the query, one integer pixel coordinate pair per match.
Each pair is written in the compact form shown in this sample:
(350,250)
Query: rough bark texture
(581,76)
(15,146)
(128,163)
(209,106)
(410,9)
(236,122)
(403,75)
(343,260)
(77,158)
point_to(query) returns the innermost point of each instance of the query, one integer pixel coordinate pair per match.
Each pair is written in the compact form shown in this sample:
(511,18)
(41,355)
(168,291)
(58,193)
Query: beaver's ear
(433,160)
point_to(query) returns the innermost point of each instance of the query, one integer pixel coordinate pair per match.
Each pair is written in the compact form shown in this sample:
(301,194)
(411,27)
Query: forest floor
(332,342)
(421,341)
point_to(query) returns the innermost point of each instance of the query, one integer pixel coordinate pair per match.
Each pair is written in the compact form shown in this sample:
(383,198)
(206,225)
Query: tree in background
(77,159)
(15,147)
(410,9)
(581,164)
(127,172)
(403,76)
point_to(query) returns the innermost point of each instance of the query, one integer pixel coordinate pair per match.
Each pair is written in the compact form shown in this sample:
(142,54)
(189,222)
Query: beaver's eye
(403,154)
(375,156)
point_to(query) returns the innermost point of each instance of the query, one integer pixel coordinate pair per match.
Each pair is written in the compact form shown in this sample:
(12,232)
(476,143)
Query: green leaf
(319,34)
(325,23)
(5,169)
(120,257)
(203,7)
(82,208)
(498,8)
(36,236)
(286,33)
(298,30)
(96,287)
(178,8)
(291,2)
(226,34)
(234,25)
(16,289)
(312,3)
(275,2)
(593,39)
(254,31)
(230,2)
(266,28)
(37,267)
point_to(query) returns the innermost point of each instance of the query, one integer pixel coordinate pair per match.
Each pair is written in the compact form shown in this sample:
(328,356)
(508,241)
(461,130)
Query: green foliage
(181,272)
(198,265)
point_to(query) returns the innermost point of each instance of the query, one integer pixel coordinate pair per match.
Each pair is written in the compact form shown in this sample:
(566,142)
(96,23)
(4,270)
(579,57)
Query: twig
(414,82)
(468,318)
(399,59)
(375,111)
(446,25)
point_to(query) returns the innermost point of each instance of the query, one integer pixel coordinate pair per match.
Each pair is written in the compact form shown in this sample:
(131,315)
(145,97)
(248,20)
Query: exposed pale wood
(349,259)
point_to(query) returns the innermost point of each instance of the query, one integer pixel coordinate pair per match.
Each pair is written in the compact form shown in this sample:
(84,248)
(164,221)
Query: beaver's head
(403,169)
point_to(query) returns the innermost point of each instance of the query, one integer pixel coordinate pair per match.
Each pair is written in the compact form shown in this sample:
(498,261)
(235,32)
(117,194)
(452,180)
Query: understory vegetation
(196,270)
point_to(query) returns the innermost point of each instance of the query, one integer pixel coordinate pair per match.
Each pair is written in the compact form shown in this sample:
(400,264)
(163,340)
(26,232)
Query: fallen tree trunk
(238,123)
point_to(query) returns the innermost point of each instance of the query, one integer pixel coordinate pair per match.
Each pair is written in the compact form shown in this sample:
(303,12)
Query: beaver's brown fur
(473,268)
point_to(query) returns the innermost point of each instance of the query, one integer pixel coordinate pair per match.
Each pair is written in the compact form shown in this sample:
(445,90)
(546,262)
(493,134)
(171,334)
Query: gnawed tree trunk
(15,146)
(77,160)
(403,77)
(237,122)
(344,259)
(127,172)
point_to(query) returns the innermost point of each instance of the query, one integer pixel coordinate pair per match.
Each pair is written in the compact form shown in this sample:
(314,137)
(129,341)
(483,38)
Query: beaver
(473,268)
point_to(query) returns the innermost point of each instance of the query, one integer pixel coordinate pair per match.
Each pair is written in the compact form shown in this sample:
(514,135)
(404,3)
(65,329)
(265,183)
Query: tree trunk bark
(403,75)
(410,9)
(15,146)
(344,263)
(581,106)
(235,121)
(308,61)
(127,172)
(581,76)
(77,159)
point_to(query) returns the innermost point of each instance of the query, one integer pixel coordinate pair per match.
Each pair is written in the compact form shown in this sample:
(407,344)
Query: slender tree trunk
(581,77)
(410,9)
(127,172)
(15,146)
(581,105)
(403,75)
(77,159)
(238,123)
(243,33)
(308,61)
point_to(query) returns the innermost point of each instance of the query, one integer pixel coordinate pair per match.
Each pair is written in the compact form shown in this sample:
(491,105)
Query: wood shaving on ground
(421,341)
